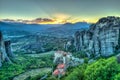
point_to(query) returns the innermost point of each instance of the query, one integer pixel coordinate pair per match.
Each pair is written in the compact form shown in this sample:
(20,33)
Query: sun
(60,18)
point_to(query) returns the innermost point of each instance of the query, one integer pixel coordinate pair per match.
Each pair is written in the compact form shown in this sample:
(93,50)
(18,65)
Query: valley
(59,39)
(78,51)
(27,65)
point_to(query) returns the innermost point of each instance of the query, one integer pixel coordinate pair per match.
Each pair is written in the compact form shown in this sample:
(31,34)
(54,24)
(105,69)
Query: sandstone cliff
(5,51)
(101,38)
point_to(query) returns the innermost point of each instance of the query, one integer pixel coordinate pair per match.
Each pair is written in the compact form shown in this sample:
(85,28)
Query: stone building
(101,38)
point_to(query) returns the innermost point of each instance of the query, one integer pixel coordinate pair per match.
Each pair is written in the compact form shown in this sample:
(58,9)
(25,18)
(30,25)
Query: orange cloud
(42,20)
(55,19)
(34,21)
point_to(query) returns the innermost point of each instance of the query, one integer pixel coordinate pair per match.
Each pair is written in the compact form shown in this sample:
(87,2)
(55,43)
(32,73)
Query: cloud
(8,20)
(34,21)
(42,20)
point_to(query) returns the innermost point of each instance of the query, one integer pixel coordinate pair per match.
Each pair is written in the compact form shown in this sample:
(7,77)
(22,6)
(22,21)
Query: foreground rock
(5,51)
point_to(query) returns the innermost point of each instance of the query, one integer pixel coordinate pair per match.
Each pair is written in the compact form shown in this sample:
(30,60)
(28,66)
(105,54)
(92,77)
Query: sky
(57,11)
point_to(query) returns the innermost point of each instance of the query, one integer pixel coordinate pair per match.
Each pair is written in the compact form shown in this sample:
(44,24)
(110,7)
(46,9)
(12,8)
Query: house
(60,70)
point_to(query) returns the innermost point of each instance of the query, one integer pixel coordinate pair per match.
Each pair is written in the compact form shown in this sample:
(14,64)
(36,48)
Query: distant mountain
(23,27)
(70,26)
(50,29)
(67,29)
(40,27)
(5,26)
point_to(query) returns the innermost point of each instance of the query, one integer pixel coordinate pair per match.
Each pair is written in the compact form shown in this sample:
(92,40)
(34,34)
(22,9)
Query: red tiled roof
(56,72)
(61,66)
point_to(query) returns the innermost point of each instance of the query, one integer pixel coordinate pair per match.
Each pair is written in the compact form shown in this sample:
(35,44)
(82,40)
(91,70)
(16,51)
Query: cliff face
(5,51)
(101,38)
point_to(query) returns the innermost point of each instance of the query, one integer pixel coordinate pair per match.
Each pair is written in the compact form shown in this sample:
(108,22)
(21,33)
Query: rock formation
(8,48)
(101,38)
(118,58)
(69,44)
(63,60)
(5,50)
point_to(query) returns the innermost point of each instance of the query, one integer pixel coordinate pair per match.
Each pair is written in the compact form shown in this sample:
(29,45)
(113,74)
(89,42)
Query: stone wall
(101,38)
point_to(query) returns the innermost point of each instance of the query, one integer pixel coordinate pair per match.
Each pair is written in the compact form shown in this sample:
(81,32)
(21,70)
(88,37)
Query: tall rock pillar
(8,48)
(3,55)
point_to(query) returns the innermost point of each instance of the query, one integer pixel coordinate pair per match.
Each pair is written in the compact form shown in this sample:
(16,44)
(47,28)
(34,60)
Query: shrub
(102,70)
(76,74)
(86,60)
(8,71)
(22,64)
(117,77)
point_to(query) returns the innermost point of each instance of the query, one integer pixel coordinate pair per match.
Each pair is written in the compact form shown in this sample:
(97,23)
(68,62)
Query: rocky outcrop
(69,44)
(101,38)
(63,60)
(8,48)
(5,51)
(118,58)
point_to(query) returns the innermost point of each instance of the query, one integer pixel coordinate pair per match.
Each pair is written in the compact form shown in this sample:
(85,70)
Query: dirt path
(31,73)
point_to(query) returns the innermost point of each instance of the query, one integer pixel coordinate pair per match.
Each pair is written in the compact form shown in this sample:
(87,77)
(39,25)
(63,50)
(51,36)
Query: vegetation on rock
(103,69)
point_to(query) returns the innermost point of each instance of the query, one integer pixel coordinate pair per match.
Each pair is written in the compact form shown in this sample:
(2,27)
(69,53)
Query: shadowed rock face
(101,38)
(8,48)
(4,57)
(69,43)
(118,58)
(0,50)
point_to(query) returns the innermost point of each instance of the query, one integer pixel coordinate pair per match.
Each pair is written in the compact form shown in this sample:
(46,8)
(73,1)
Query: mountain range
(66,29)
